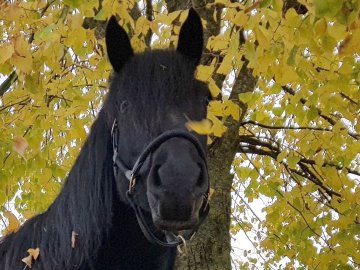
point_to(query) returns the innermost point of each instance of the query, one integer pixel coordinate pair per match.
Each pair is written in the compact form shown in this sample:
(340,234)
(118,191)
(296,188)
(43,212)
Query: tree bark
(211,248)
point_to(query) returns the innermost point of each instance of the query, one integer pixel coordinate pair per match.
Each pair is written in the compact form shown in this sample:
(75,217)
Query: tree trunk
(211,247)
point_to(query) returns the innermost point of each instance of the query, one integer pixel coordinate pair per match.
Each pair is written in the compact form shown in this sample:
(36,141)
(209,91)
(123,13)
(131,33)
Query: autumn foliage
(283,74)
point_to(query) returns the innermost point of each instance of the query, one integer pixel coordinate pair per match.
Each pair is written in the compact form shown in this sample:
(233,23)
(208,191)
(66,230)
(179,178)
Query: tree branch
(308,225)
(254,146)
(5,86)
(283,127)
(349,99)
(150,17)
(331,121)
(249,139)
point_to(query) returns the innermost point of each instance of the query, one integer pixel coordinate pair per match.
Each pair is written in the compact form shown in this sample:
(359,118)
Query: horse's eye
(124,106)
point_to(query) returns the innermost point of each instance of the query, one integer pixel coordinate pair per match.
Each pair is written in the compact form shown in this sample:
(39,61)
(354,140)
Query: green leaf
(312,113)
(291,59)
(73,3)
(292,161)
(327,7)
(265,3)
(45,34)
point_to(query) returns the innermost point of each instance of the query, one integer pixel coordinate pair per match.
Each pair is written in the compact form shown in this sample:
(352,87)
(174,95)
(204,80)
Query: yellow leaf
(216,108)
(337,31)
(267,243)
(262,36)
(21,46)
(14,12)
(331,177)
(28,214)
(230,14)
(176,30)
(202,127)
(226,65)
(320,27)
(103,13)
(23,63)
(14,224)
(20,145)
(232,109)
(27,260)
(351,44)
(45,176)
(76,21)
(218,128)
(34,253)
(281,156)
(241,19)
(154,27)
(6,51)
(246,97)
(286,75)
(214,89)
(142,25)
(223,2)
(124,15)
(218,43)
(137,44)
(203,73)
(168,18)
(292,161)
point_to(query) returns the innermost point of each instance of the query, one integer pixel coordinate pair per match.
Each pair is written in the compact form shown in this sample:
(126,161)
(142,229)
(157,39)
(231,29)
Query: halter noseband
(172,240)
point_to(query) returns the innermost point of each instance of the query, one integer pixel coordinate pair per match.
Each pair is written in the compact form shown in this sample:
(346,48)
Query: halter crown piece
(132,175)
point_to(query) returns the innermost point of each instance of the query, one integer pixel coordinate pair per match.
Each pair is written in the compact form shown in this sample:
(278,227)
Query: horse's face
(152,93)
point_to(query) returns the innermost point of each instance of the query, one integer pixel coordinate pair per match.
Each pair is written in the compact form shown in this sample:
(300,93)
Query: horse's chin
(175,225)
(179,218)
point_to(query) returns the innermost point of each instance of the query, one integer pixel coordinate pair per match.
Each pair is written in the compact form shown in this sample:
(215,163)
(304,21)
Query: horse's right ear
(118,44)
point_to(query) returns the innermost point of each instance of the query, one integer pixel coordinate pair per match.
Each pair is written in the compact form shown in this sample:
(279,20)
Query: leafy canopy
(299,126)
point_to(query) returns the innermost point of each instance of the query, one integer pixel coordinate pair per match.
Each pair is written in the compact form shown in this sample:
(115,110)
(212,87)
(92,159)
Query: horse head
(152,96)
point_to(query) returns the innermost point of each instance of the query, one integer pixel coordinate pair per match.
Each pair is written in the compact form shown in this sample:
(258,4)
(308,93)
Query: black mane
(82,207)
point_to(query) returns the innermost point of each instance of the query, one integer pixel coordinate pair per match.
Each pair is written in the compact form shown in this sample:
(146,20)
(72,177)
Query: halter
(132,175)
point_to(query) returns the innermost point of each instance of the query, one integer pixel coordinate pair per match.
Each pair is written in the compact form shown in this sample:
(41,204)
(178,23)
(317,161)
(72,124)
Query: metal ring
(132,183)
(182,248)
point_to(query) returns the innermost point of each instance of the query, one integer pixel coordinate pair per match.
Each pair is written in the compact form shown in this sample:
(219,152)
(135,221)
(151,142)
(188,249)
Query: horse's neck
(70,232)
(87,224)
(127,248)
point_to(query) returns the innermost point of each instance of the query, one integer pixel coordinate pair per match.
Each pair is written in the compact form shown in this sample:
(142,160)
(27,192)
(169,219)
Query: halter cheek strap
(134,173)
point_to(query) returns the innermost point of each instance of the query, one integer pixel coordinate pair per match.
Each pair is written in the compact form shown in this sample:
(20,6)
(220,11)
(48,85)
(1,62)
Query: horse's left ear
(117,44)
(191,39)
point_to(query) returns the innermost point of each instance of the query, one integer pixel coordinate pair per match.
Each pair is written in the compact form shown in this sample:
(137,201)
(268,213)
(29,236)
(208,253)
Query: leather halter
(132,175)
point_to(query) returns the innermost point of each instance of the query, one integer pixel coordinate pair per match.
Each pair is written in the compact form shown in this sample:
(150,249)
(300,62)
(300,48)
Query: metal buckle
(113,127)
(132,183)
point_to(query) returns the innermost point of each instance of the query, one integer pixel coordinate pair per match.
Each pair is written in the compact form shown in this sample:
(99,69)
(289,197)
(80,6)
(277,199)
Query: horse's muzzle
(173,213)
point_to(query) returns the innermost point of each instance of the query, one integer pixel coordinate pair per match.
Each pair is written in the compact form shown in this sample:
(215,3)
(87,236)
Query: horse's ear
(118,44)
(191,37)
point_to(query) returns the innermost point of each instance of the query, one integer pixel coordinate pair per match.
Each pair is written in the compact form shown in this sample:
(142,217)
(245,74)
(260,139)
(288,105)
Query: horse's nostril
(156,177)
(201,179)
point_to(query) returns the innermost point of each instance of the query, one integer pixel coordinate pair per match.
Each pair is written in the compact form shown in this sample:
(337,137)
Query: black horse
(139,185)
